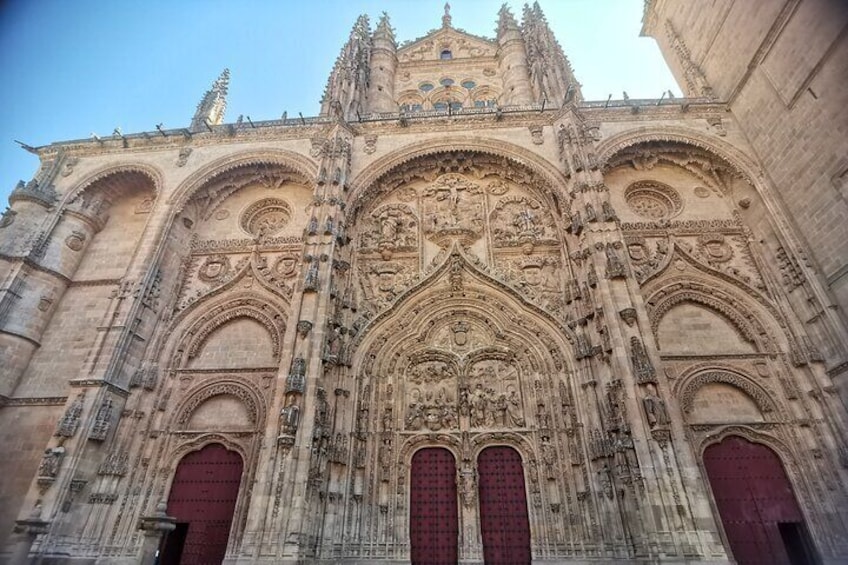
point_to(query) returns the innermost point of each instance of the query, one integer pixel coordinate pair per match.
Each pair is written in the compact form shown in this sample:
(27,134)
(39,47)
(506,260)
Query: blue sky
(73,68)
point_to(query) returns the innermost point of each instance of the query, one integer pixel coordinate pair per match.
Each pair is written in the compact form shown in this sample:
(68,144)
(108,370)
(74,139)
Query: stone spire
(506,21)
(348,82)
(213,105)
(512,60)
(381,87)
(446,19)
(384,30)
(551,75)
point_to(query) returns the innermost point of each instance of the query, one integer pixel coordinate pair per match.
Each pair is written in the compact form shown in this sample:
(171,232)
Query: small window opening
(446,54)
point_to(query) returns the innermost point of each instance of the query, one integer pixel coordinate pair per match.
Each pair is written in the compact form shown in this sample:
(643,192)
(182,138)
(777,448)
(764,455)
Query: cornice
(309,127)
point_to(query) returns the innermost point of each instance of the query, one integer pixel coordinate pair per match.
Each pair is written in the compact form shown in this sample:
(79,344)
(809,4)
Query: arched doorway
(761,518)
(503,507)
(433,520)
(203,498)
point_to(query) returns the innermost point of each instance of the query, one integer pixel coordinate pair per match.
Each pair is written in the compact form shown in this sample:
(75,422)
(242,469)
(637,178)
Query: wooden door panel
(503,507)
(433,519)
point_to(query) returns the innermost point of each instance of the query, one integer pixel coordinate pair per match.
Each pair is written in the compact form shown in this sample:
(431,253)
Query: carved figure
(655,410)
(289,417)
(50,463)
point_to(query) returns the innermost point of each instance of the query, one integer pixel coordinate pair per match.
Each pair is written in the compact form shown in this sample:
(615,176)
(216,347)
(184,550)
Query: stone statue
(655,410)
(289,417)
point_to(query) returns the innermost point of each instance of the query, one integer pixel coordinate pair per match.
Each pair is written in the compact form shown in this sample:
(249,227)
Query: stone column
(155,527)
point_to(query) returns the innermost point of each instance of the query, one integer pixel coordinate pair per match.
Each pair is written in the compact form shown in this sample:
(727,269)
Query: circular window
(469,84)
(446,82)
(266,217)
(653,200)
(426,86)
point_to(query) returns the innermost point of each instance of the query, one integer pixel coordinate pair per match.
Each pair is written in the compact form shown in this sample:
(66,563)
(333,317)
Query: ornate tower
(210,111)
(512,57)
(348,82)
(551,75)
(381,89)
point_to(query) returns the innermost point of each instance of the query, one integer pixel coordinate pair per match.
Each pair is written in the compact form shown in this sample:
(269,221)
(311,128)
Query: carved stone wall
(607,289)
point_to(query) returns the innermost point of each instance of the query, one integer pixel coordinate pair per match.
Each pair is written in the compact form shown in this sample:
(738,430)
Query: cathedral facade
(463,315)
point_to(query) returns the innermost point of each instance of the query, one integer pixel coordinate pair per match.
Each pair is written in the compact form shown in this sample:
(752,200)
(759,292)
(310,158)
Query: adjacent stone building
(461,315)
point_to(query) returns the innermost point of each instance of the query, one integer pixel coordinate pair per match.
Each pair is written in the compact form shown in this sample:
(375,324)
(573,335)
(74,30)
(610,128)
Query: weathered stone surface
(607,289)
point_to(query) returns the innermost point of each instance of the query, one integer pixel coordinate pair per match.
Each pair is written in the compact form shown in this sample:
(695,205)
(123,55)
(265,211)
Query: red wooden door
(203,496)
(503,507)
(433,520)
(755,501)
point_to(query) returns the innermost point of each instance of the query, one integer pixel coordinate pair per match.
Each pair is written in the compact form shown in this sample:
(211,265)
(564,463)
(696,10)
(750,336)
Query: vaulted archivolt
(502,213)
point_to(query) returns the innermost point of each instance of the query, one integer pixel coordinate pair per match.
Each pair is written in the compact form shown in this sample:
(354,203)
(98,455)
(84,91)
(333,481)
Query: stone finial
(446,19)
(384,29)
(506,21)
(210,111)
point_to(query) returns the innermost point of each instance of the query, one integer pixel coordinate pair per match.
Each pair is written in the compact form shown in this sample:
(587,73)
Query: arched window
(446,54)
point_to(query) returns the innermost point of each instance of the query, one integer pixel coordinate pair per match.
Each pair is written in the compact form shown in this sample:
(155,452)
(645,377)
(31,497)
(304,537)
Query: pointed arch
(735,157)
(287,160)
(252,400)
(742,306)
(453,270)
(691,384)
(547,175)
(107,176)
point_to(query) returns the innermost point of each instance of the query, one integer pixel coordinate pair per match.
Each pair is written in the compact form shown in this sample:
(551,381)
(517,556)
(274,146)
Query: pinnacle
(506,21)
(384,28)
(222,83)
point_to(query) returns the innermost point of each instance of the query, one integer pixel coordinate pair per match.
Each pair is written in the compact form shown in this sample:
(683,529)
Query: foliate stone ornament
(497,187)
(536,135)
(116,463)
(51,462)
(102,421)
(286,266)
(7,218)
(214,268)
(266,217)
(70,421)
(68,166)
(643,369)
(76,240)
(653,200)
(44,303)
(702,192)
(714,248)
(222,214)
(370,144)
(144,207)
(628,315)
(183,156)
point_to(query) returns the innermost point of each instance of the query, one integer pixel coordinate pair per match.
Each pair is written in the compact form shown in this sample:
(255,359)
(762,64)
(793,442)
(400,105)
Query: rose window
(653,200)
(266,217)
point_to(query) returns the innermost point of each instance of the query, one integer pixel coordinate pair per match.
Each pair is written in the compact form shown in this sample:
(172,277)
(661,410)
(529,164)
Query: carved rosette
(266,217)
